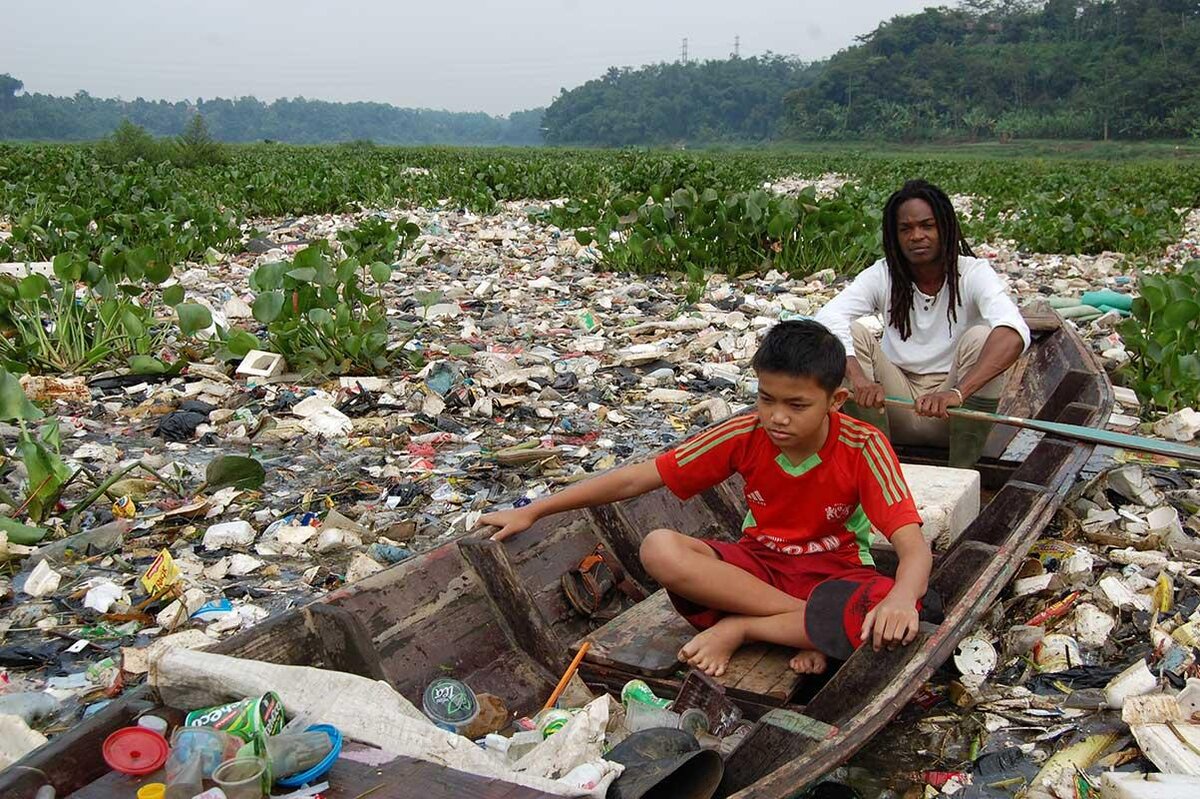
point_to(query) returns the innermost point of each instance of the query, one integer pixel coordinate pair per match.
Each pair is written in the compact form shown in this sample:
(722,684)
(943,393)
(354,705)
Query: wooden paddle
(1170,449)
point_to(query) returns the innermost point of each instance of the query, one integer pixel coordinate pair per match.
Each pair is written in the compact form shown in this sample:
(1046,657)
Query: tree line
(734,100)
(300,121)
(1067,69)
(1070,69)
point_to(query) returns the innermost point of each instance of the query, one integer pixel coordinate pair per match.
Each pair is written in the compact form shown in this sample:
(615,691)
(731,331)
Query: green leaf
(19,533)
(319,316)
(14,405)
(1180,312)
(173,295)
(136,262)
(268,276)
(241,342)
(268,306)
(193,318)
(309,258)
(132,325)
(238,471)
(304,275)
(147,365)
(381,272)
(45,471)
(1154,294)
(67,267)
(584,237)
(32,287)
(158,271)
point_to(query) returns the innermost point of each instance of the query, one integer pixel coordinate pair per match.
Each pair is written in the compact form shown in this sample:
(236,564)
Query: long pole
(1092,435)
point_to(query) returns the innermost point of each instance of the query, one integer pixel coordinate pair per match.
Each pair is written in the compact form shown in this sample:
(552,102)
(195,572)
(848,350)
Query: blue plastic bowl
(322,768)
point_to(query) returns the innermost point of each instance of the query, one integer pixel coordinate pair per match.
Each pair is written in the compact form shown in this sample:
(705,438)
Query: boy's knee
(660,552)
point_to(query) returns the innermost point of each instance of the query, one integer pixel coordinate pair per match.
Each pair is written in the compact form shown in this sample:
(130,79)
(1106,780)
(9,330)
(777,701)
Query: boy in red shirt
(816,480)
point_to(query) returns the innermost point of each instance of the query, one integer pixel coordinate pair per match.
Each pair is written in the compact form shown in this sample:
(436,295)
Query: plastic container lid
(450,703)
(322,768)
(135,750)
(153,790)
(156,723)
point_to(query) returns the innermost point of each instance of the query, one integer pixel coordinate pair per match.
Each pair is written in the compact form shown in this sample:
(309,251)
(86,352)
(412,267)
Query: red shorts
(834,616)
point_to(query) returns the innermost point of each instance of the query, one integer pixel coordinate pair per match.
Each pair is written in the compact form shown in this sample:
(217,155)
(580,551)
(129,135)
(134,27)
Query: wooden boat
(495,616)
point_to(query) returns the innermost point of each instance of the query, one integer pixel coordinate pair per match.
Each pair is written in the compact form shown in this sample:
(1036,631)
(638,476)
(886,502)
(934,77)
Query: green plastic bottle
(638,691)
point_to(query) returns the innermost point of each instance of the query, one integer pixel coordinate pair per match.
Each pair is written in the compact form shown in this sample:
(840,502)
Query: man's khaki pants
(906,426)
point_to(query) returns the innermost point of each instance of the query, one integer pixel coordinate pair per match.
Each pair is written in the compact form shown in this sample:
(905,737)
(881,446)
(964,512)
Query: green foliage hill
(1046,69)
(1081,69)
(740,99)
(83,117)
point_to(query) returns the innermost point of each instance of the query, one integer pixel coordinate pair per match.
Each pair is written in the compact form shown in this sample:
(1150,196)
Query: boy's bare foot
(710,650)
(809,661)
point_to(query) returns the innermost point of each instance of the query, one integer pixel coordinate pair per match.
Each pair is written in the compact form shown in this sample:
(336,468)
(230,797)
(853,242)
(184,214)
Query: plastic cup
(640,716)
(241,778)
(208,746)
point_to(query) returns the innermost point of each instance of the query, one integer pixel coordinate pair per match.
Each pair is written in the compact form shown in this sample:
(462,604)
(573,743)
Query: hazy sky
(472,55)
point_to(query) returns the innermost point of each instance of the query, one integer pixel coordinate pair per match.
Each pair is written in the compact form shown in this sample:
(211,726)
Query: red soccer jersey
(825,504)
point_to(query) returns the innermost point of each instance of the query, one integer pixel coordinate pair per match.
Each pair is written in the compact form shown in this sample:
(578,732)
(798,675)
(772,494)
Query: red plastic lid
(135,750)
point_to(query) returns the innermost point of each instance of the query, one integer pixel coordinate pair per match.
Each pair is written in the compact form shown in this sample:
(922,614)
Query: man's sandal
(588,586)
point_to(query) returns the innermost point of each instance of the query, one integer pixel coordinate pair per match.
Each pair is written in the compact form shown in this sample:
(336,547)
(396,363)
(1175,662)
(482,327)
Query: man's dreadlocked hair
(952,242)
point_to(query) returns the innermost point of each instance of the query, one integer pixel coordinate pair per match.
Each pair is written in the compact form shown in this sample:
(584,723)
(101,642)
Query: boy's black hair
(953,245)
(803,348)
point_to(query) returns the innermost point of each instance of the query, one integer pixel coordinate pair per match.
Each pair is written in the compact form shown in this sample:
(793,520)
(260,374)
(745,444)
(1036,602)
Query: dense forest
(735,100)
(82,117)
(1079,69)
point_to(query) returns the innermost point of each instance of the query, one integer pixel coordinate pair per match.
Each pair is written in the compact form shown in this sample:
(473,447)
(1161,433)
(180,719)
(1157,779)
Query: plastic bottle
(29,705)
(638,691)
(104,538)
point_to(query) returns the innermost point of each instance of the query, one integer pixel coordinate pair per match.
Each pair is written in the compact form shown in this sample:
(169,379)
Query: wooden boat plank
(644,639)
(514,606)
(743,662)
(770,677)
(662,509)
(623,541)
(644,642)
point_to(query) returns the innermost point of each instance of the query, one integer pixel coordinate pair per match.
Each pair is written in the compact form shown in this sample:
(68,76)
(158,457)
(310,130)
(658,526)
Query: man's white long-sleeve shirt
(930,347)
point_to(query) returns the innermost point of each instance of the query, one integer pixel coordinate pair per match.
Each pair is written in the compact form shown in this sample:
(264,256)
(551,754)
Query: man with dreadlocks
(951,330)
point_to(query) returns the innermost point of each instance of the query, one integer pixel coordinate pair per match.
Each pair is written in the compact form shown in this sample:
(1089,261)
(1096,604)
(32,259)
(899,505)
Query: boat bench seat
(645,640)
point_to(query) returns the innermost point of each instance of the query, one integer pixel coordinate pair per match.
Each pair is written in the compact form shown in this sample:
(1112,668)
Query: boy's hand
(893,621)
(510,521)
